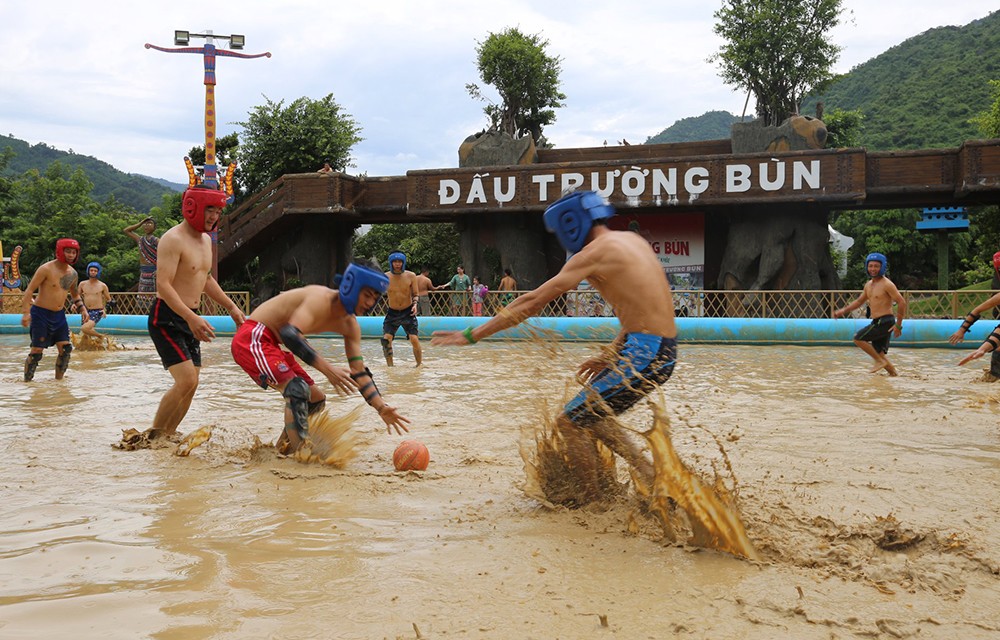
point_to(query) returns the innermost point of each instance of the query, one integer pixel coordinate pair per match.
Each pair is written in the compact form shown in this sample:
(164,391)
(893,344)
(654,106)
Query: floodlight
(236,41)
(182,38)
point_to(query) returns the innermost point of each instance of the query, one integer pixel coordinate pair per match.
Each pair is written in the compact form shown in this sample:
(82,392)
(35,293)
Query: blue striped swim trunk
(645,362)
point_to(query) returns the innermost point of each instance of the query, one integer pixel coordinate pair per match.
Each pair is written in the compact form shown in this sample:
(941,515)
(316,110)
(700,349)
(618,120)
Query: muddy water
(871,501)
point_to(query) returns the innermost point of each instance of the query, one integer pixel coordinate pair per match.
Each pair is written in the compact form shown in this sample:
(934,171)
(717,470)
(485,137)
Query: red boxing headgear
(996,260)
(194,203)
(66,243)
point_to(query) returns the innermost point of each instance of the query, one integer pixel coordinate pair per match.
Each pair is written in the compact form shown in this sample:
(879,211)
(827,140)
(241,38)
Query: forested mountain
(713,125)
(922,93)
(138,192)
(919,94)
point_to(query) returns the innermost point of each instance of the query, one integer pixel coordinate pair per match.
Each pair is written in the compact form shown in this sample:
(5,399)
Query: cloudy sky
(75,75)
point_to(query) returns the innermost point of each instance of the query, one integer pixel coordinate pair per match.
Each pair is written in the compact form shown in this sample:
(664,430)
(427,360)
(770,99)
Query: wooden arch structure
(303,223)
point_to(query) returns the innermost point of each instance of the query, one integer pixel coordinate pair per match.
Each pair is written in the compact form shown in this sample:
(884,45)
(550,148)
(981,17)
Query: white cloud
(76,75)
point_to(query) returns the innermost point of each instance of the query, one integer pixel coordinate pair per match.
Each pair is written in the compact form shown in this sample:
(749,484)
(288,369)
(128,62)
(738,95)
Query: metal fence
(588,303)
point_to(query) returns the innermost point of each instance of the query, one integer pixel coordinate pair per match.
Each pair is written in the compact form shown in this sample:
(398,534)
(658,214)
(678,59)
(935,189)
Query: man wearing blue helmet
(879,292)
(625,271)
(285,320)
(402,307)
(95,297)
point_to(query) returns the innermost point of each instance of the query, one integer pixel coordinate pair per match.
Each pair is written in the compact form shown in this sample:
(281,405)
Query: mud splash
(689,510)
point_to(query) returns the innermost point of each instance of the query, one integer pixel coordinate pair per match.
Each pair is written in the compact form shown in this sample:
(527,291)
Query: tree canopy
(431,245)
(298,138)
(989,121)
(39,207)
(778,50)
(525,76)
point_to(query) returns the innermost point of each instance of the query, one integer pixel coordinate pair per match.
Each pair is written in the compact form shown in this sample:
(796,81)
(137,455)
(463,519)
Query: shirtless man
(309,310)
(95,296)
(148,247)
(424,287)
(880,293)
(508,284)
(628,274)
(46,315)
(402,311)
(185,261)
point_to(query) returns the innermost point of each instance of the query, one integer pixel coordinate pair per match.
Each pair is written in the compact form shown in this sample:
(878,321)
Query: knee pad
(386,347)
(30,364)
(62,360)
(297,394)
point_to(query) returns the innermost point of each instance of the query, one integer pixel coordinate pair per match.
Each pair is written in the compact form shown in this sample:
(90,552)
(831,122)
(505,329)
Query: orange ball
(411,455)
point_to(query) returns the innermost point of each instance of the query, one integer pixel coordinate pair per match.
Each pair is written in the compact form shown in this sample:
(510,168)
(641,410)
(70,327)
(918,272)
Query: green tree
(298,138)
(226,150)
(777,50)
(989,121)
(844,129)
(431,245)
(526,78)
(57,203)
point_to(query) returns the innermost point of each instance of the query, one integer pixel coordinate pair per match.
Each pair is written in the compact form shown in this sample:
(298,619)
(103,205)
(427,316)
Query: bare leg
(88,328)
(881,362)
(583,458)
(627,445)
(176,401)
(418,353)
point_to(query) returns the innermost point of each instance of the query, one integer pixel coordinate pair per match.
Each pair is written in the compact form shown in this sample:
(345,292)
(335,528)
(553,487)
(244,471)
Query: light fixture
(181,38)
(236,41)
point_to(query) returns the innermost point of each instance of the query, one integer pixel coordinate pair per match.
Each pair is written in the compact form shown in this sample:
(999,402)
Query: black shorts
(172,336)
(878,333)
(396,318)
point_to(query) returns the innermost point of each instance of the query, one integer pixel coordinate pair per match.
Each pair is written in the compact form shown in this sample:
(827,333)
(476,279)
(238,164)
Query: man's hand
(342,381)
(975,355)
(202,329)
(444,338)
(26,319)
(838,313)
(393,420)
(590,368)
(238,316)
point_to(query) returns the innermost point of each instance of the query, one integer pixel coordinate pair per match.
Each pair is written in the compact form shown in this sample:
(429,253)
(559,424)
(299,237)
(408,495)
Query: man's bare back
(310,309)
(424,285)
(621,266)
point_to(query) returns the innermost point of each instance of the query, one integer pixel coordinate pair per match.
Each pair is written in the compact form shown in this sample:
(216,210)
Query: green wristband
(468,335)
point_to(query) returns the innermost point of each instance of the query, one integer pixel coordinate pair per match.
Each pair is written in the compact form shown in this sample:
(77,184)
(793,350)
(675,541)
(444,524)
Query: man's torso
(58,279)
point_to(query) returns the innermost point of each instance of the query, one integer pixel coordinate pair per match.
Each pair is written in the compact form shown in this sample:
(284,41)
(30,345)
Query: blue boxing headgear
(879,258)
(572,217)
(95,264)
(357,277)
(397,255)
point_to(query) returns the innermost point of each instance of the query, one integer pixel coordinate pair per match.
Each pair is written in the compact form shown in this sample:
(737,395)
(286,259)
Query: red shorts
(259,352)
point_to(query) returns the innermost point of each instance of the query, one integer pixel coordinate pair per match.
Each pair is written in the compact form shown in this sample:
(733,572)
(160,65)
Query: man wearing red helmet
(184,266)
(46,315)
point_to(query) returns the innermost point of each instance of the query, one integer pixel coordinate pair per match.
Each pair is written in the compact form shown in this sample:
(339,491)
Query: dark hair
(506,272)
